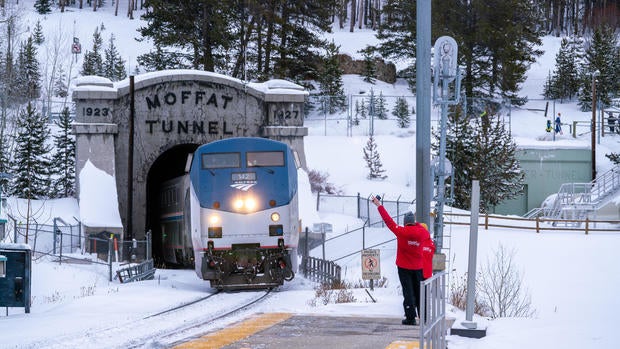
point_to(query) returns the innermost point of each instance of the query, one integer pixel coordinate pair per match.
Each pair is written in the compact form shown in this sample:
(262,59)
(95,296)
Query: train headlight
(250,204)
(247,204)
(213,220)
(275,216)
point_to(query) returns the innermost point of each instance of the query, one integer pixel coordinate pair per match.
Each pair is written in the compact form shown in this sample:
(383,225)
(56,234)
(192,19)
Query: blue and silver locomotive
(240,209)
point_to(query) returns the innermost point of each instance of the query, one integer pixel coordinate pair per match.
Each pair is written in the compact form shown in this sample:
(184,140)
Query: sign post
(76,47)
(371,266)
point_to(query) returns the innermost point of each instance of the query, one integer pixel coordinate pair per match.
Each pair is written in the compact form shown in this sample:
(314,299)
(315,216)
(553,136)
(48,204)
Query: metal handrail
(577,199)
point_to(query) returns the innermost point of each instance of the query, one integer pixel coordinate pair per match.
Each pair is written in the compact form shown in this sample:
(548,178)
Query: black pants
(410,282)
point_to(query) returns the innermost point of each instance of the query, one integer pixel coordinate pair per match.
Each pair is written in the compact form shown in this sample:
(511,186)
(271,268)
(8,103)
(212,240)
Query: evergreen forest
(260,40)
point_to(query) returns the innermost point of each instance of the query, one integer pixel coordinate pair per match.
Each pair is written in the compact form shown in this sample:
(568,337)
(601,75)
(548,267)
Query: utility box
(15,275)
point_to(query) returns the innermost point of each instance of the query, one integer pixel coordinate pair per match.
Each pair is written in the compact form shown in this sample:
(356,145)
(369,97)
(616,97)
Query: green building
(546,169)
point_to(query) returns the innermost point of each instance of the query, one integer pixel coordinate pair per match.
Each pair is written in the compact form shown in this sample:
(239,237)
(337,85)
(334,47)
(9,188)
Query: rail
(321,270)
(433,312)
(139,272)
(493,221)
(577,200)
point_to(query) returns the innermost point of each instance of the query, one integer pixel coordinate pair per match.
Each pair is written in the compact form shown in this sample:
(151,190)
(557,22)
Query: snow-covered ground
(572,278)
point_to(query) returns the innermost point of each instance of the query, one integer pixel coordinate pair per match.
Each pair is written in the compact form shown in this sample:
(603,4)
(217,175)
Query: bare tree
(499,287)
(353,15)
(57,50)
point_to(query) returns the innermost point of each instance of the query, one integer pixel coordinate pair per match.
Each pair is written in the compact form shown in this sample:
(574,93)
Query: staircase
(575,201)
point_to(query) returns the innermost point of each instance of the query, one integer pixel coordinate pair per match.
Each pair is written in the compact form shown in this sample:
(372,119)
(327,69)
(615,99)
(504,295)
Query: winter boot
(408,321)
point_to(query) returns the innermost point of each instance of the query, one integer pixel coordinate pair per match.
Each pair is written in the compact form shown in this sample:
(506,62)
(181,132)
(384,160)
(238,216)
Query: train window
(221,160)
(265,158)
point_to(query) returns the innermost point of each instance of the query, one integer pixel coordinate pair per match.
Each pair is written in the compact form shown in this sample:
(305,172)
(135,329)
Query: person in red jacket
(409,258)
(428,251)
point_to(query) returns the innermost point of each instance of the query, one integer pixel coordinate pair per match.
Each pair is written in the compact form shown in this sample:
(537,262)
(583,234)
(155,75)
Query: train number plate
(244,177)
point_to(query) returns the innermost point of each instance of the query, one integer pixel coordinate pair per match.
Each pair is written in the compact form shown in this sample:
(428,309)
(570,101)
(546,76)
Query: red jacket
(428,250)
(409,242)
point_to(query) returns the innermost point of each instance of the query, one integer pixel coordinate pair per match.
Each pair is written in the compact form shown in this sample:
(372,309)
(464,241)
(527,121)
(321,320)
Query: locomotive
(235,216)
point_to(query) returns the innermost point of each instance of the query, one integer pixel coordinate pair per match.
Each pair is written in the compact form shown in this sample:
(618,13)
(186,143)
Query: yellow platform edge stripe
(235,332)
(404,345)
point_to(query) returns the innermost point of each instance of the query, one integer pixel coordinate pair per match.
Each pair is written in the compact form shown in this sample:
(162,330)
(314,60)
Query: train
(234,214)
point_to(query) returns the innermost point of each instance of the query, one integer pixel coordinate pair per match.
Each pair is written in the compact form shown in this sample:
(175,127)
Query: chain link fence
(362,207)
(367,113)
(66,240)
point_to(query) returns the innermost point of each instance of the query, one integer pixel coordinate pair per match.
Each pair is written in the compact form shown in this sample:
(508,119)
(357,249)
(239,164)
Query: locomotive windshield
(265,158)
(221,160)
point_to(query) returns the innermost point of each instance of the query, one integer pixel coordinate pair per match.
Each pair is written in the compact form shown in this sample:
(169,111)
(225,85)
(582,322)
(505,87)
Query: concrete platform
(286,331)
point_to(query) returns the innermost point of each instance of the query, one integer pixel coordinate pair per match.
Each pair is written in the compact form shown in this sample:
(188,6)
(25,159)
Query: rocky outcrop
(385,71)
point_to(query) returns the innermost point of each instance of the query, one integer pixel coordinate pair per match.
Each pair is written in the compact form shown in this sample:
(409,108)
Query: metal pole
(441,179)
(593,127)
(423,104)
(148,245)
(60,259)
(132,112)
(473,250)
(54,228)
(110,256)
(323,235)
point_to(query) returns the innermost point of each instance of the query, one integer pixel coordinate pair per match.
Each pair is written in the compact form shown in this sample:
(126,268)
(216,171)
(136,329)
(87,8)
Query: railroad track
(163,329)
(177,335)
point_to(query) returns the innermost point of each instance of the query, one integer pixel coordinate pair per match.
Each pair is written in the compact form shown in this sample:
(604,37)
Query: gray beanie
(409,218)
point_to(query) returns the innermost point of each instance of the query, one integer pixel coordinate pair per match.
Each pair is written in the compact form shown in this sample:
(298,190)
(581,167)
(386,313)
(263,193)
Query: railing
(575,200)
(360,207)
(320,270)
(57,238)
(433,312)
(142,271)
(492,221)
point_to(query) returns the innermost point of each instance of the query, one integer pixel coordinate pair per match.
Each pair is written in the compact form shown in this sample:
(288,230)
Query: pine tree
(43,6)
(60,85)
(401,112)
(549,89)
(27,83)
(330,80)
(159,59)
(380,109)
(363,109)
(599,58)
(31,163)
(497,167)
(370,67)
(373,161)
(37,34)
(63,160)
(356,117)
(564,83)
(398,35)
(372,105)
(483,149)
(113,65)
(93,63)
(497,40)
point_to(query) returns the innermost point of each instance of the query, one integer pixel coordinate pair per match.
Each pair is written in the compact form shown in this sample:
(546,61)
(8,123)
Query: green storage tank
(546,169)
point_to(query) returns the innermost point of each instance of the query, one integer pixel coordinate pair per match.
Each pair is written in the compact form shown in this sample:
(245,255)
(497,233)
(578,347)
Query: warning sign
(371,266)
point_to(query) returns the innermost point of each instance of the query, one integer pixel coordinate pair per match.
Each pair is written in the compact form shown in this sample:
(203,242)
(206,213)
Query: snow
(572,278)
(98,198)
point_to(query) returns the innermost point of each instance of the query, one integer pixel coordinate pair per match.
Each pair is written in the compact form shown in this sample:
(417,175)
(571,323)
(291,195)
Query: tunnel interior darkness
(168,165)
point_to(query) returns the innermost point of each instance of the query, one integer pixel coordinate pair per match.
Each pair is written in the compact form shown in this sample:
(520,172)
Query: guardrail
(433,325)
(320,270)
(142,271)
(492,221)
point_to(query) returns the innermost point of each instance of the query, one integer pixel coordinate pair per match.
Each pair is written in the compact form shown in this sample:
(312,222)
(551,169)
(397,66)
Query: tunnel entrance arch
(170,164)
(128,129)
